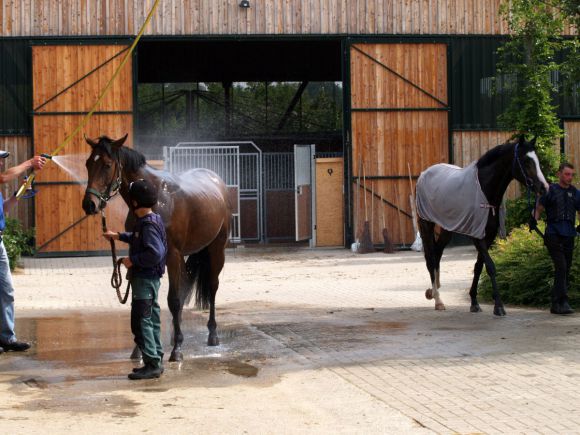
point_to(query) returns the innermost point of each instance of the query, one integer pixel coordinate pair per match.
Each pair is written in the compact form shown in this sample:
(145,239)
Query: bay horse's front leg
(481,246)
(177,278)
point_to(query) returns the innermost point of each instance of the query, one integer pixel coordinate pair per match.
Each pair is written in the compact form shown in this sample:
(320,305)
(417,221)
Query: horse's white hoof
(429,294)
(440,307)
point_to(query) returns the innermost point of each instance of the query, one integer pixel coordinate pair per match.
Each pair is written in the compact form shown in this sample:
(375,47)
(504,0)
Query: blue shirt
(147,246)
(2,218)
(563,228)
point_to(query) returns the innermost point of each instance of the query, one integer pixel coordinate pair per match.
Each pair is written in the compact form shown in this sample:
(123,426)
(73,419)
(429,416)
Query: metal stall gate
(279,225)
(240,171)
(303,195)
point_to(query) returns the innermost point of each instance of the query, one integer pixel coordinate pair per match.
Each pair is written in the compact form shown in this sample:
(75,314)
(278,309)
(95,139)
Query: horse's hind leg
(179,283)
(216,251)
(433,250)
(439,246)
(427,230)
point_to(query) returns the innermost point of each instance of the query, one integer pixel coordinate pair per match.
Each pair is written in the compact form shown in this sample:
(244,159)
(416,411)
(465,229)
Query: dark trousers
(145,319)
(561,250)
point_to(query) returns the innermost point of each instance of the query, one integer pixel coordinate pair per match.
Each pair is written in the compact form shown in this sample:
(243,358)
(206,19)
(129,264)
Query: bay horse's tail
(198,270)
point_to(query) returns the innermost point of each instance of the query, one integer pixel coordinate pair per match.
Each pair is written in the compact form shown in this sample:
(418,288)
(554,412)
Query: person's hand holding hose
(38,162)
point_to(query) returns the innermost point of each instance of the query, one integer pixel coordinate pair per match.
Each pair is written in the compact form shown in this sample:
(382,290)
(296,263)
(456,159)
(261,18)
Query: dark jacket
(561,206)
(147,246)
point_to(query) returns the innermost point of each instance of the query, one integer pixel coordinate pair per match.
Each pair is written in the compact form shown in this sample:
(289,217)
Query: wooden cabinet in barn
(67,81)
(330,202)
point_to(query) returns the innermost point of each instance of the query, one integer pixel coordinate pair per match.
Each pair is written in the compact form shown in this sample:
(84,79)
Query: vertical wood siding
(572,143)
(55,68)
(20,148)
(272,17)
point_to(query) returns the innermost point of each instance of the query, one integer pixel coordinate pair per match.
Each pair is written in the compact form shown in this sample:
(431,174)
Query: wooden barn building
(330,106)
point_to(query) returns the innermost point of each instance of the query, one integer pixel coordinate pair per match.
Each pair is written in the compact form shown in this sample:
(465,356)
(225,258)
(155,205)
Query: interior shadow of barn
(197,102)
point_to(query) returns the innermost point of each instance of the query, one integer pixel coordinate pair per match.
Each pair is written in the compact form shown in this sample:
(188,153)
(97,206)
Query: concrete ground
(312,341)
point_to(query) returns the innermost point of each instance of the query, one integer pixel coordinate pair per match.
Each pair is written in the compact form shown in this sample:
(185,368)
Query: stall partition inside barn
(319,116)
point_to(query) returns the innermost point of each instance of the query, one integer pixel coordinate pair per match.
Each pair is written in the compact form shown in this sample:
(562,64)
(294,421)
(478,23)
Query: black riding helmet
(143,192)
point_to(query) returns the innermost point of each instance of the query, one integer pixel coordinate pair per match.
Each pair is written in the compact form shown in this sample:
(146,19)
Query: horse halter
(528,180)
(112,189)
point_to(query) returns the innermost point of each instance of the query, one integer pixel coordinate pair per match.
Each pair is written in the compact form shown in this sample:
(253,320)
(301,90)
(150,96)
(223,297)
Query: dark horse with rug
(467,201)
(195,209)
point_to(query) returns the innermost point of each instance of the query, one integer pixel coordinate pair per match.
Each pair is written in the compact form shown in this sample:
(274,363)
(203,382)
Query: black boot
(565,308)
(149,371)
(15,346)
(562,308)
(140,369)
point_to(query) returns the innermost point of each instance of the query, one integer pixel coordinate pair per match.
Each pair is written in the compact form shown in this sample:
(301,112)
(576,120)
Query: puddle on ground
(79,362)
(242,369)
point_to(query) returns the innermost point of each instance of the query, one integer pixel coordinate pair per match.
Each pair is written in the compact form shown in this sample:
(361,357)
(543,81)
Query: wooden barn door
(399,120)
(67,80)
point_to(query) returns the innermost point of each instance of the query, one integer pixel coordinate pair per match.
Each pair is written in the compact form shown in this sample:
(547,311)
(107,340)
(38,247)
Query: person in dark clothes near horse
(561,202)
(146,264)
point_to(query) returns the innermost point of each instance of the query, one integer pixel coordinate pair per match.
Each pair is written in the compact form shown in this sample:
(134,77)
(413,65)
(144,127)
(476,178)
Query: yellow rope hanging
(26,185)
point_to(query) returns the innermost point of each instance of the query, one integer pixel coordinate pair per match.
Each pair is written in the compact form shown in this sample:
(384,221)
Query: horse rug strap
(451,197)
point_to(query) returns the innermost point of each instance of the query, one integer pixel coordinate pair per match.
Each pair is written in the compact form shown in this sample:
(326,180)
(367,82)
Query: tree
(528,65)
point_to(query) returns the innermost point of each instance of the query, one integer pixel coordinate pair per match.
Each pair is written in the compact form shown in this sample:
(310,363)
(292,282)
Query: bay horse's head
(526,166)
(104,173)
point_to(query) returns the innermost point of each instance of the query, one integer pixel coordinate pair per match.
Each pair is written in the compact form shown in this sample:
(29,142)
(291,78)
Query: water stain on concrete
(79,362)
(242,369)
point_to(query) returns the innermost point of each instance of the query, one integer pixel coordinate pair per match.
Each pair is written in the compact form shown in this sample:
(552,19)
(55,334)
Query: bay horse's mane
(130,159)
(494,154)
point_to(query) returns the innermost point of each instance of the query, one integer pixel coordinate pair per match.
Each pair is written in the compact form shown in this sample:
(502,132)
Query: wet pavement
(310,342)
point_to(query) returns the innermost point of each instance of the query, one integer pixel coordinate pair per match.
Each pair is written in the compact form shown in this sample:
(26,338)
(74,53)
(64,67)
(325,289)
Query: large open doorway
(273,94)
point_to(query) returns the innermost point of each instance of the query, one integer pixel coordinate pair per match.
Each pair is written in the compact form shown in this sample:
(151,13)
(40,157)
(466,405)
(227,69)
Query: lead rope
(116,278)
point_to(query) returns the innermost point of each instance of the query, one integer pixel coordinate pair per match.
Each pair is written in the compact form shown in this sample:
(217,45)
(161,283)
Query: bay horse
(493,172)
(196,212)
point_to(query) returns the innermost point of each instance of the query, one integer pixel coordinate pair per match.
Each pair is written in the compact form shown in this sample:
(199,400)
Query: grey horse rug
(451,197)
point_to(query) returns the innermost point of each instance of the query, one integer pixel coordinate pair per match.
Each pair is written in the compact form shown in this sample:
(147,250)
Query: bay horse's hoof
(440,307)
(429,294)
(213,340)
(176,355)
(136,354)
(499,311)
(475,308)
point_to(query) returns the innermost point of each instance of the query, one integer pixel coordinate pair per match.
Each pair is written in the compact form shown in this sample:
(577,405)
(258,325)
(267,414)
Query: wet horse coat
(196,212)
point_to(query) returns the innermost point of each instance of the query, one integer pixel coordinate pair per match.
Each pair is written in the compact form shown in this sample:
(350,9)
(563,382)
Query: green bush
(524,271)
(517,212)
(17,241)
